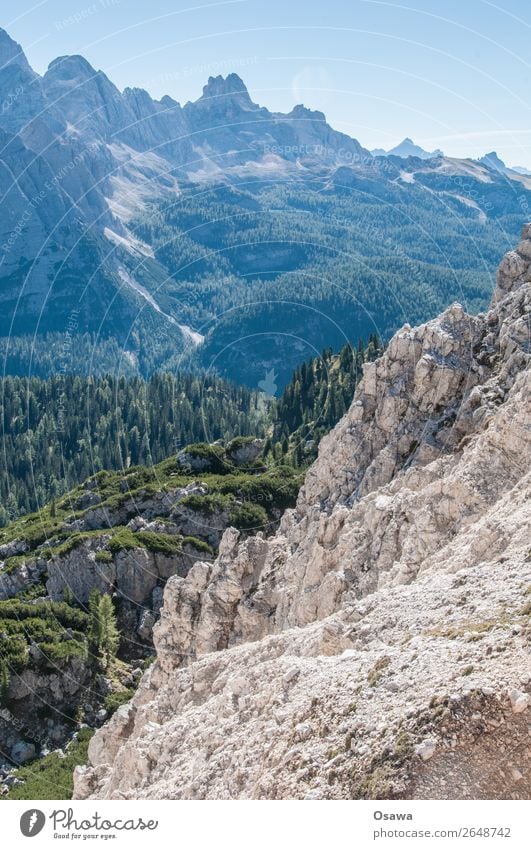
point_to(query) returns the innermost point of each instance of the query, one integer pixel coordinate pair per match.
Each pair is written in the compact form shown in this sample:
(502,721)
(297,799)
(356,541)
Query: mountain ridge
(375,646)
(407,147)
(120,217)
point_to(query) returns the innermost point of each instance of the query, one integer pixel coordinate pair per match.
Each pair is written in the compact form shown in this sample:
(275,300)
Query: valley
(220,235)
(264,407)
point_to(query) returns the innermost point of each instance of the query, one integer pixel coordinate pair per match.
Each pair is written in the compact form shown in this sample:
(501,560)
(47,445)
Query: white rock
(426,749)
(519,701)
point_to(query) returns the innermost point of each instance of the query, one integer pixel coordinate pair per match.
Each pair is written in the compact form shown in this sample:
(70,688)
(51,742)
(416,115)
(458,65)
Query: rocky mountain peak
(493,161)
(407,147)
(219,86)
(226,89)
(302,112)
(169,102)
(72,67)
(11,53)
(386,622)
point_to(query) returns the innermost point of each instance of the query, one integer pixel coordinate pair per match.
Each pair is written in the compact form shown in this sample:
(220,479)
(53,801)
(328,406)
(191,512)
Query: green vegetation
(57,432)
(160,543)
(51,777)
(103,634)
(326,264)
(4,682)
(199,545)
(52,441)
(115,700)
(317,396)
(248,517)
(212,457)
(55,628)
(206,504)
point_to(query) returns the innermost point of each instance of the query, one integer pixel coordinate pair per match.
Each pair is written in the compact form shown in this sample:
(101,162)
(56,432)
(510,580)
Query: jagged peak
(71,67)
(231,84)
(302,111)
(11,52)
(169,102)
(230,88)
(492,160)
(136,93)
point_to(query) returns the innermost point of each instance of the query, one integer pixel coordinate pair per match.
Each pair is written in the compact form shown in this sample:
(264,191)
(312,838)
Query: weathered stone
(23,752)
(519,701)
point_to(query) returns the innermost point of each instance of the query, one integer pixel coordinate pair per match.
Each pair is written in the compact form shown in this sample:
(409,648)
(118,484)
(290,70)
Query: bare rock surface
(378,645)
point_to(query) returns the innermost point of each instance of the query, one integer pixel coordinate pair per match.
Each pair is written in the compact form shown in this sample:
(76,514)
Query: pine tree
(109,633)
(68,595)
(94,625)
(4,683)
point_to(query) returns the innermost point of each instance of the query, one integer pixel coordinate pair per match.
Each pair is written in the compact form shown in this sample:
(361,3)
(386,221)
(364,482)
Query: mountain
(79,160)
(376,645)
(521,170)
(408,148)
(493,161)
(141,234)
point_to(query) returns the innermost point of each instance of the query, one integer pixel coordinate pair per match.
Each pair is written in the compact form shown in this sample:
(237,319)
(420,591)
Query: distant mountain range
(174,233)
(407,148)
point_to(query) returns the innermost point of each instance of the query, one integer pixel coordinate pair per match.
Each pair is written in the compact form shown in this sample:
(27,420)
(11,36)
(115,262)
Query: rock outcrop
(378,645)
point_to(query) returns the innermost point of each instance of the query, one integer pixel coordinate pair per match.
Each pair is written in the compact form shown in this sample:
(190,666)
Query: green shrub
(43,623)
(249,517)
(159,542)
(64,650)
(198,544)
(123,539)
(214,455)
(115,700)
(206,504)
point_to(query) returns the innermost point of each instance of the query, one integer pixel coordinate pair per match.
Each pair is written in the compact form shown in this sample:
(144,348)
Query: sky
(454,75)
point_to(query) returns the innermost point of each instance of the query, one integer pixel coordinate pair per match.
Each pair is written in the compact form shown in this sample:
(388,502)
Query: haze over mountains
(220,231)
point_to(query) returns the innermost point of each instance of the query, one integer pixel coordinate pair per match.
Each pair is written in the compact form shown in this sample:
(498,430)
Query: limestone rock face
(26,723)
(378,645)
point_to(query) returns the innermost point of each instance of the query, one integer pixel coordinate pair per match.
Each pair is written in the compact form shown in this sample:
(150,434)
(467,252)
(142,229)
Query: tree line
(57,432)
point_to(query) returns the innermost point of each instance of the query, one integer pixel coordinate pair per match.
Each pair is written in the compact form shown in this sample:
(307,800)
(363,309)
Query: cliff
(378,645)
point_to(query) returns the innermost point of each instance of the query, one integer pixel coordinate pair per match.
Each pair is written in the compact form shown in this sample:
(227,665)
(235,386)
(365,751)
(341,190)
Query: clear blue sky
(453,74)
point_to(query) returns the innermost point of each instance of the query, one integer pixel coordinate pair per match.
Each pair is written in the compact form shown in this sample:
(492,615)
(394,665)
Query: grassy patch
(199,545)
